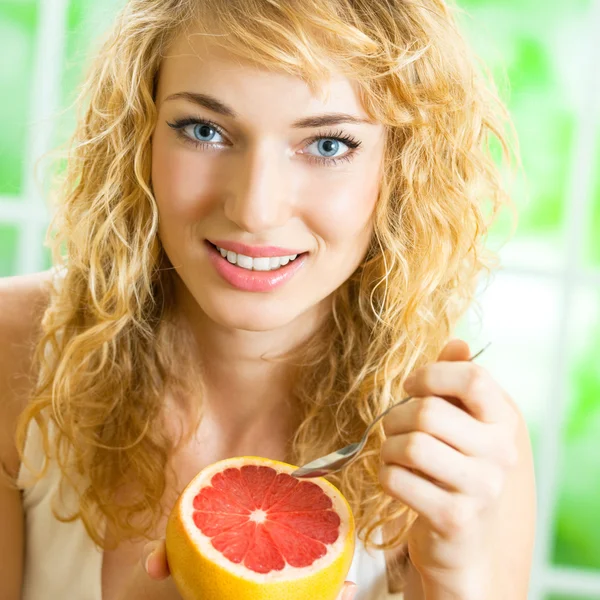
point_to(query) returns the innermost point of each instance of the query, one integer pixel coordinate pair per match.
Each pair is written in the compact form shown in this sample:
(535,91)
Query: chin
(252,315)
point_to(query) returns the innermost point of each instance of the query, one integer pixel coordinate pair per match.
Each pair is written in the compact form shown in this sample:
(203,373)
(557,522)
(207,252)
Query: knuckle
(386,451)
(476,379)
(455,516)
(414,448)
(426,414)
(426,376)
(507,451)
(492,484)
(388,423)
(387,479)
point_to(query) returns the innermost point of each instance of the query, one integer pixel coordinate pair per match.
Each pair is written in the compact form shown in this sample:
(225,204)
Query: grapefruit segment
(244,528)
(280,489)
(213,500)
(258,480)
(212,524)
(231,482)
(299,550)
(323,527)
(305,495)
(263,555)
(235,544)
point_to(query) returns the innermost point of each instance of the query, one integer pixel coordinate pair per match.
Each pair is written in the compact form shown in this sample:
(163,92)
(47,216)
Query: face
(241,166)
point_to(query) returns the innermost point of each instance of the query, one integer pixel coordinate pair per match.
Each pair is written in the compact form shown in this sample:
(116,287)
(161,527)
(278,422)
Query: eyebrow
(212,103)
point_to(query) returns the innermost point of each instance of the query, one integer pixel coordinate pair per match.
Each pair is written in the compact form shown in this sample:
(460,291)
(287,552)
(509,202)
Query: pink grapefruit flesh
(245,528)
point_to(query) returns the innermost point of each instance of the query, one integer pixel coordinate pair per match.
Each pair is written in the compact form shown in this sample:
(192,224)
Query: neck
(246,380)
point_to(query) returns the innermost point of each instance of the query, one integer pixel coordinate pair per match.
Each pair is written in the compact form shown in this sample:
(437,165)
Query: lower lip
(254,281)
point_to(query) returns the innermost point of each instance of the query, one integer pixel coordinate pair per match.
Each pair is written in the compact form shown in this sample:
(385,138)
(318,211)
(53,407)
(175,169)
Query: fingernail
(350,591)
(147,563)
(150,548)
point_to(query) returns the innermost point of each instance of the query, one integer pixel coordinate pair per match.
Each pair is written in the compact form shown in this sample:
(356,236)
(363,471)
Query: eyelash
(339,135)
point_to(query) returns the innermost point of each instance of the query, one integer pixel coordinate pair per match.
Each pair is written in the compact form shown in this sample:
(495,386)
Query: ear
(455,350)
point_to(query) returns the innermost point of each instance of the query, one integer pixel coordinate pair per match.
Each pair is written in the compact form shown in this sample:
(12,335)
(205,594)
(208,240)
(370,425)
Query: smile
(254,274)
(263,263)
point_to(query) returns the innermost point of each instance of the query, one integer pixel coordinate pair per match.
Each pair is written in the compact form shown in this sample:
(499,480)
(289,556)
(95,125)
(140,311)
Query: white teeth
(257,264)
(244,261)
(261,264)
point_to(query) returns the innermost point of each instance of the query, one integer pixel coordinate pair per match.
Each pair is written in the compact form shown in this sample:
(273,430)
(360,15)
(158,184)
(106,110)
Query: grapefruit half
(245,529)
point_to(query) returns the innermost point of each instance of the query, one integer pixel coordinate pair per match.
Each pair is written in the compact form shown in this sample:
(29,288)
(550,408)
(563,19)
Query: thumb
(154,559)
(455,350)
(348,591)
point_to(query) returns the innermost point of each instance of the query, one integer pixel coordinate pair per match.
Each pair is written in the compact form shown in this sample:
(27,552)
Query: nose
(258,197)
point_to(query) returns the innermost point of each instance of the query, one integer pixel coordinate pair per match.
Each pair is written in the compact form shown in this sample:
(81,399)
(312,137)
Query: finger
(348,591)
(455,349)
(446,466)
(468,382)
(423,496)
(445,421)
(154,558)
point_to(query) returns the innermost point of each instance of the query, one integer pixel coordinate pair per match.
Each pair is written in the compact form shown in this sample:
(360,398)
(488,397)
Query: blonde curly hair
(109,325)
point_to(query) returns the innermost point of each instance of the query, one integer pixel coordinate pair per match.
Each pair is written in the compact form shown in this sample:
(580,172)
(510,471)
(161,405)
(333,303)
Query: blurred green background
(542,310)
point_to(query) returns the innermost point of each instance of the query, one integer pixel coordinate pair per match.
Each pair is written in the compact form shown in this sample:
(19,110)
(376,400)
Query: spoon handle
(404,400)
(338,459)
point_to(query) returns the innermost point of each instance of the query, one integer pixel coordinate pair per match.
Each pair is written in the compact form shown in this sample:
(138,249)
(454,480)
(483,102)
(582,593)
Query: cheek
(181,182)
(342,210)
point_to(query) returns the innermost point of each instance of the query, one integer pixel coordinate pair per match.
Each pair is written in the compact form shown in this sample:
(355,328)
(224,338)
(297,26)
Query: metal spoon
(335,461)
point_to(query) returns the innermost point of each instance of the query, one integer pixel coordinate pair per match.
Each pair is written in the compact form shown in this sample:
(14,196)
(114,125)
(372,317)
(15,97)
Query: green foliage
(18,22)
(592,247)
(9,237)
(577,542)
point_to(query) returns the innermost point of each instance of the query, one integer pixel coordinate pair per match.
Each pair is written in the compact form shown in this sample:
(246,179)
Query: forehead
(196,63)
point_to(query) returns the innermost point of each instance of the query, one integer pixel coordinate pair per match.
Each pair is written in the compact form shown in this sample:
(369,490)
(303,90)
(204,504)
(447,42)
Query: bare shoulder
(23,300)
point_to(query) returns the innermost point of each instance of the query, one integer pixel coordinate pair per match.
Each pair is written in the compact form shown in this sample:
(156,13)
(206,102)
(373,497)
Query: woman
(273,213)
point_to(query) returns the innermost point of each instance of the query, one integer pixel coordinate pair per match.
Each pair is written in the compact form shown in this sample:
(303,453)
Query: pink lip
(255,251)
(254,281)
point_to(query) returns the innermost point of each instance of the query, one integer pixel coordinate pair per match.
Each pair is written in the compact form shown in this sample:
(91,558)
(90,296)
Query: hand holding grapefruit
(245,529)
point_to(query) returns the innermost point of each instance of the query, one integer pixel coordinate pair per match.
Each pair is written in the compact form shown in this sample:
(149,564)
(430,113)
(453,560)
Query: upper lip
(255,251)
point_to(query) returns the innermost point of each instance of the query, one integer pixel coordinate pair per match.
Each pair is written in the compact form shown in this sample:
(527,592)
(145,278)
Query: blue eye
(202,132)
(328,146)
(197,132)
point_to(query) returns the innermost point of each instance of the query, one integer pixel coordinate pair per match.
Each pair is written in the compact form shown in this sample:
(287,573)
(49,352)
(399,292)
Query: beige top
(62,562)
